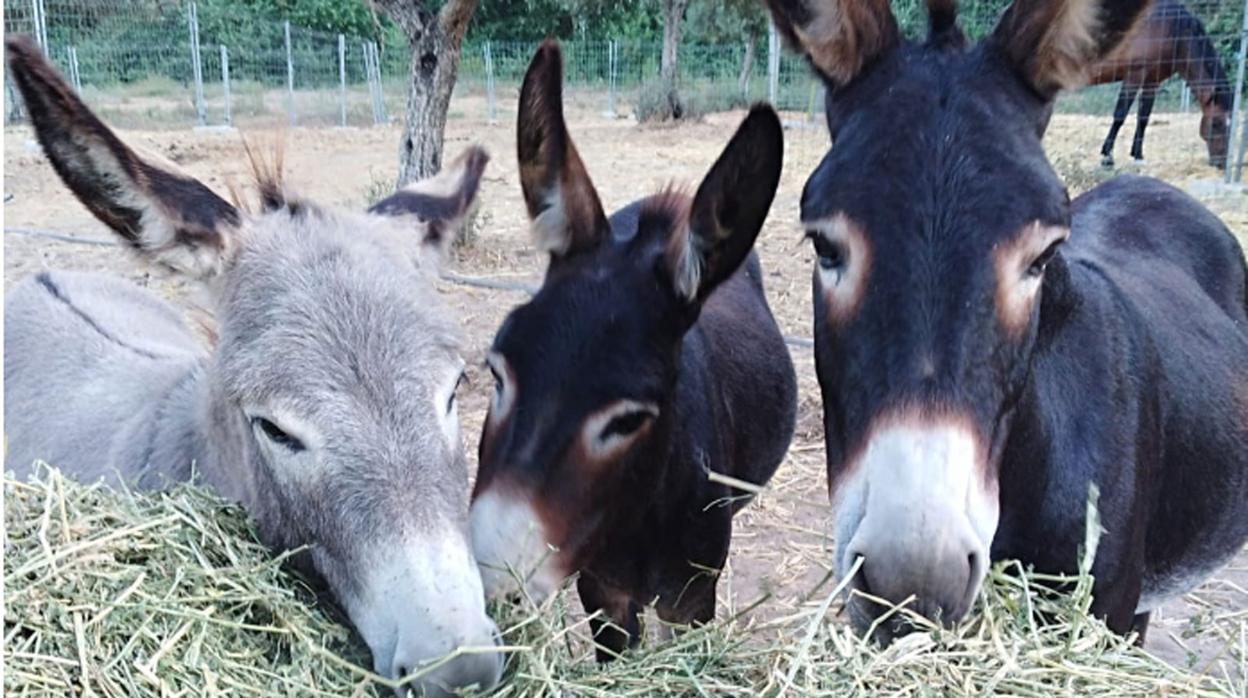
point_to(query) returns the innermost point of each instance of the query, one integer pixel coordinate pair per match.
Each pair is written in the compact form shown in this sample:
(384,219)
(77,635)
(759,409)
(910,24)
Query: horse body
(324,404)
(648,359)
(1170,41)
(979,371)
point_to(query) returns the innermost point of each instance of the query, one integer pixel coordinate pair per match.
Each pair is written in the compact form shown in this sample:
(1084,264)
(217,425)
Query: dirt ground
(782,543)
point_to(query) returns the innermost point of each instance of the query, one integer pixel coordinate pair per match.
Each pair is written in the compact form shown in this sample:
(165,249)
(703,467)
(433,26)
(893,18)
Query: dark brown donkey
(978,375)
(647,360)
(1169,41)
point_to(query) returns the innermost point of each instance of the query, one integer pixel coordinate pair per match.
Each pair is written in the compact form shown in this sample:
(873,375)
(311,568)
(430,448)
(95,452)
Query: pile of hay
(121,594)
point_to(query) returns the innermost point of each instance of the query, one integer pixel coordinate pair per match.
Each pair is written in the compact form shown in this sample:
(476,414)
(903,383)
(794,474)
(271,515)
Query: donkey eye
(626,424)
(832,255)
(498,380)
(450,402)
(1038,265)
(274,433)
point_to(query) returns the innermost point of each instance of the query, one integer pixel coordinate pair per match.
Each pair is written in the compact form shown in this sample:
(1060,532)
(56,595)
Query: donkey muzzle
(918,511)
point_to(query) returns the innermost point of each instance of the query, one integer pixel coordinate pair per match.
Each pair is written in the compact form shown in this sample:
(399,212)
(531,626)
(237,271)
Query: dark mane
(670,205)
(667,211)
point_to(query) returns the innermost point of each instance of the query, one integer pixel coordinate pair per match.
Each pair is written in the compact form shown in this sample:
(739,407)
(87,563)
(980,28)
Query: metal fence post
(613,53)
(381,95)
(373,70)
(197,67)
(1237,110)
(773,63)
(290,75)
(491,108)
(75,77)
(342,77)
(40,17)
(368,76)
(225,84)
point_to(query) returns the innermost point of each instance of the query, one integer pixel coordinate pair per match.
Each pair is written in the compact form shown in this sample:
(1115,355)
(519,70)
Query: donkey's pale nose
(476,669)
(939,575)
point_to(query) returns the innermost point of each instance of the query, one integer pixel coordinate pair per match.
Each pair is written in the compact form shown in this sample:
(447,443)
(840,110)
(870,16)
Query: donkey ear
(168,216)
(729,208)
(838,37)
(1054,43)
(442,202)
(563,205)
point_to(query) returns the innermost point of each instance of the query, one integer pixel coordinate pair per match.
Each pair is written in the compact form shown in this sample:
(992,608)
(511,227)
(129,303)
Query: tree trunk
(434,42)
(673,15)
(747,66)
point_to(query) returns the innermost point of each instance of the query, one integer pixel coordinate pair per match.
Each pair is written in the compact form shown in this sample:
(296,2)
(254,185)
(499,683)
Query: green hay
(128,594)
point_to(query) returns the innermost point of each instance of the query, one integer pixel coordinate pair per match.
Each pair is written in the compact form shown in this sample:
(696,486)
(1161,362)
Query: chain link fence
(172,64)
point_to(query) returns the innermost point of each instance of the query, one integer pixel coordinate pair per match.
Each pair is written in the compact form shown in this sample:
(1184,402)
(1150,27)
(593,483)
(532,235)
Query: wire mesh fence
(173,64)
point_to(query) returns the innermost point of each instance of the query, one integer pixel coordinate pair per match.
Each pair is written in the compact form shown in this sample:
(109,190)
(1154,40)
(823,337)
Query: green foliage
(532,20)
(725,21)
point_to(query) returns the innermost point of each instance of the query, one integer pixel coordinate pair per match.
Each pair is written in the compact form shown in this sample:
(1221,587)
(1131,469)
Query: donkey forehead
(599,323)
(327,307)
(951,142)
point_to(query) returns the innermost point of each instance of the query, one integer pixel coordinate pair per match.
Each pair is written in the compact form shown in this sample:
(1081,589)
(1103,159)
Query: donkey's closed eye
(450,401)
(274,433)
(626,424)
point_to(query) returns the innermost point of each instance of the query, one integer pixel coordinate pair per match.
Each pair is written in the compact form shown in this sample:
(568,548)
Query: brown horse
(1170,41)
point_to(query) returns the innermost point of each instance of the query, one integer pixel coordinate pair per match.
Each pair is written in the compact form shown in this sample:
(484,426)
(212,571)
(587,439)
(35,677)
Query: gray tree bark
(747,66)
(673,15)
(434,40)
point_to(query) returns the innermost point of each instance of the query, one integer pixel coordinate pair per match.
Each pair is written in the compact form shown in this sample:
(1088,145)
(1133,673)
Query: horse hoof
(1107,161)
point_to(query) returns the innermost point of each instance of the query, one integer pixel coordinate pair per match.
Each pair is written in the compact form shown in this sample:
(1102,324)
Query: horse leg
(1126,95)
(1147,97)
(618,627)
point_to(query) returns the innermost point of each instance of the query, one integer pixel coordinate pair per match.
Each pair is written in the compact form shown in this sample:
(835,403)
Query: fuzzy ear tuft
(563,205)
(839,37)
(729,207)
(1054,43)
(168,216)
(442,202)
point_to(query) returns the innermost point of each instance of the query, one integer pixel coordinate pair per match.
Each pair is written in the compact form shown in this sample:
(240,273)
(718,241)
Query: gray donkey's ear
(168,216)
(442,202)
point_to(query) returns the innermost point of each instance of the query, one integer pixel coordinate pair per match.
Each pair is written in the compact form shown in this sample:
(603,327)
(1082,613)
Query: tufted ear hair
(439,204)
(729,207)
(567,216)
(839,37)
(169,217)
(1054,43)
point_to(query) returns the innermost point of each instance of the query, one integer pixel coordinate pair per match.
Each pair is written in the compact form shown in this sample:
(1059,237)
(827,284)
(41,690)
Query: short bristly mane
(943,31)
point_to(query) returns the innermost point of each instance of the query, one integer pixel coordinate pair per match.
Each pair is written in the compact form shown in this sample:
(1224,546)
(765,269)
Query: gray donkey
(326,407)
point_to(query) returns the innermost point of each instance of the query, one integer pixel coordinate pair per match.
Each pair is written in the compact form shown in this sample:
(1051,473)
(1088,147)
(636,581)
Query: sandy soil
(782,541)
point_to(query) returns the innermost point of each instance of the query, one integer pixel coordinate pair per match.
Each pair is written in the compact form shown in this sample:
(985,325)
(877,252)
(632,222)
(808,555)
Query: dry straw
(125,594)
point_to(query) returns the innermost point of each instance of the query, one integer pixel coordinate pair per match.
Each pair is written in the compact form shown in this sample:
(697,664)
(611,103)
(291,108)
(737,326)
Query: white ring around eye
(599,446)
(505,392)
